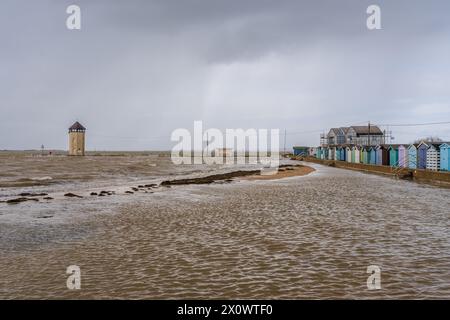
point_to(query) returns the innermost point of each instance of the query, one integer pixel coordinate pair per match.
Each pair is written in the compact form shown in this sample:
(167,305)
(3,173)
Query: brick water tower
(76,139)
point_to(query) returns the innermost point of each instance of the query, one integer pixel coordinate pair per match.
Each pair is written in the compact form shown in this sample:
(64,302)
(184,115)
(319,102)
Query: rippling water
(303,237)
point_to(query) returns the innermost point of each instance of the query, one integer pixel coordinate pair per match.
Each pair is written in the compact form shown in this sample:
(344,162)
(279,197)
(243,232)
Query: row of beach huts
(423,155)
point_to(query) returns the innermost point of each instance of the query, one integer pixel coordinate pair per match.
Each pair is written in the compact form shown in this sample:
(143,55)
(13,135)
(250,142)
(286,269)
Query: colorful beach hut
(340,152)
(348,154)
(319,153)
(373,155)
(445,156)
(364,155)
(412,156)
(325,154)
(355,154)
(393,155)
(433,157)
(402,156)
(343,154)
(422,155)
(382,155)
(331,153)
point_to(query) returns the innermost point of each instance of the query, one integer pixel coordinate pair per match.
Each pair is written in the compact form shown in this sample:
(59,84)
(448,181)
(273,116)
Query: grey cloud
(139,69)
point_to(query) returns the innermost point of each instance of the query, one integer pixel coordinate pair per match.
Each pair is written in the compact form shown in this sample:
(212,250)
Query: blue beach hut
(373,155)
(445,157)
(412,156)
(422,155)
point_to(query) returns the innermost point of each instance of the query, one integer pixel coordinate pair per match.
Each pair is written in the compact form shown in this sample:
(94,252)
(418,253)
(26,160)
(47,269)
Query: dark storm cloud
(139,69)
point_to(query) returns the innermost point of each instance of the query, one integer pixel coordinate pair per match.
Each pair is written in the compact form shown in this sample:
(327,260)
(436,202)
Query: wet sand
(309,238)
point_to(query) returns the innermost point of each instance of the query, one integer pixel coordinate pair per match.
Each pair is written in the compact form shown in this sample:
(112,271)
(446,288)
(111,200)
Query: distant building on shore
(76,139)
(224,152)
(354,135)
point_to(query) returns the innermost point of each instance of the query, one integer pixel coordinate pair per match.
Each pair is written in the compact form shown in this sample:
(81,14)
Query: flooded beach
(306,237)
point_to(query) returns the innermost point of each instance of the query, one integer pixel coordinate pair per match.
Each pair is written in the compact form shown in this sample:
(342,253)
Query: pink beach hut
(402,156)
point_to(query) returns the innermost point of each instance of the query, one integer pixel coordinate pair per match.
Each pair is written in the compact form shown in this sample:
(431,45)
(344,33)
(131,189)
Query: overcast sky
(137,70)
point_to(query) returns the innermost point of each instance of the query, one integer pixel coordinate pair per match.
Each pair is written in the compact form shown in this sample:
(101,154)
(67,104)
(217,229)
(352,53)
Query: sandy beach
(213,233)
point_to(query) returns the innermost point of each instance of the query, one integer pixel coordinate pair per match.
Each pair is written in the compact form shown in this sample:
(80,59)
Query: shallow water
(304,237)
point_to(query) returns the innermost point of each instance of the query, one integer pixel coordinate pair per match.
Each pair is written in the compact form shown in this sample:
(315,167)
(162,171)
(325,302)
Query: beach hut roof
(394,146)
(434,145)
(445,145)
(423,143)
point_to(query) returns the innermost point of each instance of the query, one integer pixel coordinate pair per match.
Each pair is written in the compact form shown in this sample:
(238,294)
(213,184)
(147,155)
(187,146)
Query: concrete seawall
(426,176)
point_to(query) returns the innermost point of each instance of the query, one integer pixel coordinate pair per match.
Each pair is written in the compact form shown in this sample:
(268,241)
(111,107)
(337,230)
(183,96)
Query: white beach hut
(433,157)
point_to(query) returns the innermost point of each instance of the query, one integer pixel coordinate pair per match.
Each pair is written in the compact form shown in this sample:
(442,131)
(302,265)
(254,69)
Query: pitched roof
(77,126)
(435,145)
(374,130)
(337,131)
(394,146)
(423,143)
(344,129)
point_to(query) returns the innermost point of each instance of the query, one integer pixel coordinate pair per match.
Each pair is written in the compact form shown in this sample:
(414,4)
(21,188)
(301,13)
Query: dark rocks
(19,200)
(94,194)
(212,178)
(72,195)
(48,198)
(129,192)
(30,194)
(151,185)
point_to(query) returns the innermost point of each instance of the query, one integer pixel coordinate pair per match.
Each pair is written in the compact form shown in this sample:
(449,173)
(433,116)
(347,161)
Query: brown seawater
(307,237)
